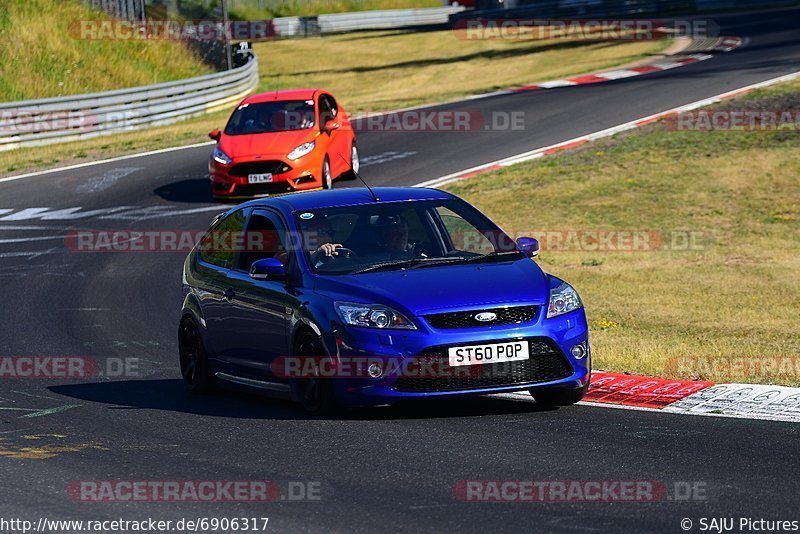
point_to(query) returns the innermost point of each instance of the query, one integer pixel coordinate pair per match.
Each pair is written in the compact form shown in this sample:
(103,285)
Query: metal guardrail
(561,9)
(71,118)
(363,20)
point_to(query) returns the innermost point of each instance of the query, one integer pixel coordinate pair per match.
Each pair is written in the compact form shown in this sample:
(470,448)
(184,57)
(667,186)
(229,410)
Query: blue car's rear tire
(315,393)
(558,397)
(193,359)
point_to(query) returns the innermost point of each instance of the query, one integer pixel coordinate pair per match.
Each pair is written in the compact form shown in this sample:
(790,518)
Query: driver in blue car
(319,235)
(392,241)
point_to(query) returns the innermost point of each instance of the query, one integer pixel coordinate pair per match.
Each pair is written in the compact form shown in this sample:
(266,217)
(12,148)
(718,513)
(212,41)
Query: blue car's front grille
(511,315)
(546,363)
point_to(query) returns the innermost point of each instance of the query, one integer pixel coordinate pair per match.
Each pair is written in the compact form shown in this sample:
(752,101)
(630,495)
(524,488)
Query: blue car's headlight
(563,299)
(221,157)
(302,150)
(372,316)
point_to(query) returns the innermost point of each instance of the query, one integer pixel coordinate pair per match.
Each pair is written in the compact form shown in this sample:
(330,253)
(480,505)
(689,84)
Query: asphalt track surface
(384,469)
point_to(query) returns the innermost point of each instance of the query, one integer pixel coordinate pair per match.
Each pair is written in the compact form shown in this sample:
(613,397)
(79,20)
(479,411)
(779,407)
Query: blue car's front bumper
(559,333)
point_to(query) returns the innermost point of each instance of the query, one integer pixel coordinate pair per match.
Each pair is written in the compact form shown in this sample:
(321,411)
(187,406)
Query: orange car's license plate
(259,178)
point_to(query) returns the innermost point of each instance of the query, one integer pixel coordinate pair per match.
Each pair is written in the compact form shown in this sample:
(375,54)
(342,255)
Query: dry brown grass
(388,70)
(257,10)
(671,312)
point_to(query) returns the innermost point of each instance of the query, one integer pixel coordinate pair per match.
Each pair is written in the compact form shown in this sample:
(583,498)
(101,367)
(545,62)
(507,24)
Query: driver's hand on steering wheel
(328,249)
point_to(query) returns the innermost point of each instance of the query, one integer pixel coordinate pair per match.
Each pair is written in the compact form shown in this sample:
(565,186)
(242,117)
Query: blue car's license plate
(493,353)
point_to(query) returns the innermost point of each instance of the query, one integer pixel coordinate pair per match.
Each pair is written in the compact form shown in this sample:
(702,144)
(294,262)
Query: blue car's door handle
(229,294)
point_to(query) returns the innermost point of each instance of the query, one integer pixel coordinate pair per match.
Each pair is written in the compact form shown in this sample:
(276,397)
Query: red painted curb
(567,146)
(641,391)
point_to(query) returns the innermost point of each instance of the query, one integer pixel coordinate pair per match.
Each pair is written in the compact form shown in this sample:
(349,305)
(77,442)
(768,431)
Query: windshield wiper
(491,255)
(417,263)
(400,264)
(433,262)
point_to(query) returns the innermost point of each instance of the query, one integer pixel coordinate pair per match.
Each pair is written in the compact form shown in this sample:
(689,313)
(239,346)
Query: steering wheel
(344,252)
(341,252)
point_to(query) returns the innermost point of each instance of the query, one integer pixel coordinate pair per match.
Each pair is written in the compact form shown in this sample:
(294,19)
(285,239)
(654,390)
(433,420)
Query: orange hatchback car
(282,141)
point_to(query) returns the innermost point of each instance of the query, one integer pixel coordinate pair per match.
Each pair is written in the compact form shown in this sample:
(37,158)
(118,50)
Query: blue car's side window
(218,245)
(265,237)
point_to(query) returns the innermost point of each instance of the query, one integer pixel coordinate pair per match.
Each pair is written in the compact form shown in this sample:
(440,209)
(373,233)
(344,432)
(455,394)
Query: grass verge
(718,300)
(260,9)
(368,71)
(376,71)
(40,57)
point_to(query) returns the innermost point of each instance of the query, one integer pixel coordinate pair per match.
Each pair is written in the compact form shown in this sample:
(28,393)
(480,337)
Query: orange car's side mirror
(215,135)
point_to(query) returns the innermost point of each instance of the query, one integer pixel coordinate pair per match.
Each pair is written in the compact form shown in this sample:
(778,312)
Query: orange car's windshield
(266,117)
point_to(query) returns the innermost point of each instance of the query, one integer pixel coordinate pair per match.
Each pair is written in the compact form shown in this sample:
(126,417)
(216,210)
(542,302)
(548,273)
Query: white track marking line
(104,161)
(130,213)
(22,227)
(524,397)
(618,74)
(630,125)
(556,83)
(101,182)
(155,212)
(30,255)
(26,239)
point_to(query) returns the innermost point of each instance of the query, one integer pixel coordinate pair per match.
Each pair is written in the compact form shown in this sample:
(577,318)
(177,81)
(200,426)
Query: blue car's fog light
(578,351)
(375,370)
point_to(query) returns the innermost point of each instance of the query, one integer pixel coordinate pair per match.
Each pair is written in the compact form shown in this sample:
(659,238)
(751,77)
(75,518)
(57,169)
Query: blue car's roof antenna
(371,192)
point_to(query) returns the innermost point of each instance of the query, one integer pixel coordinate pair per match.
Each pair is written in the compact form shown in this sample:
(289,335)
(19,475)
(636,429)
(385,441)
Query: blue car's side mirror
(529,246)
(268,269)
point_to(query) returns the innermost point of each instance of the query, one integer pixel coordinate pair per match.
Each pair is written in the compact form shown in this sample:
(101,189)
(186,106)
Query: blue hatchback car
(350,297)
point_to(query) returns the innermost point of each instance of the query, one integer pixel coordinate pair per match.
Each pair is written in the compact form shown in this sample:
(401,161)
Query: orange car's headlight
(302,150)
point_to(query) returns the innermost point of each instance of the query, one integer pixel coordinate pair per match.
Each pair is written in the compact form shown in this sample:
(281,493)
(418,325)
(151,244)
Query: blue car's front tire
(315,393)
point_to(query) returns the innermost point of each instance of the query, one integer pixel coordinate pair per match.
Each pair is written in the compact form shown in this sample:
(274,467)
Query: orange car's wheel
(355,164)
(327,179)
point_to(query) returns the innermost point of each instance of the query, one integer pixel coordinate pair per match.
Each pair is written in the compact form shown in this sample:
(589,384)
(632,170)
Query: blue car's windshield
(395,235)
(268,117)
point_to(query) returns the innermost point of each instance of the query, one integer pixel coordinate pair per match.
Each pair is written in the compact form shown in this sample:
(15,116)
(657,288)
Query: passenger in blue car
(393,243)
